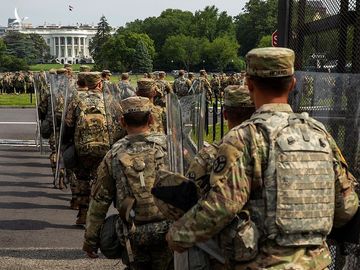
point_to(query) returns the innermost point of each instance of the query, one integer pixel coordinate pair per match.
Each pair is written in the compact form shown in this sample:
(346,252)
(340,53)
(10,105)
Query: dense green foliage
(18,51)
(208,38)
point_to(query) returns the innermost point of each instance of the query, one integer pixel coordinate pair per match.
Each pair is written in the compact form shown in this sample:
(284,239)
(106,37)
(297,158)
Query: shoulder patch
(219,164)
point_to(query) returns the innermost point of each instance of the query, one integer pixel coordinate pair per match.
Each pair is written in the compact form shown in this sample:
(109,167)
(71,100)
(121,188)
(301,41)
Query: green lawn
(209,137)
(13,100)
(47,67)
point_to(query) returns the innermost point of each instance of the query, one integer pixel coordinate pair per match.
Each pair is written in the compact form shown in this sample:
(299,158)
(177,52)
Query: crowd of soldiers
(19,82)
(265,197)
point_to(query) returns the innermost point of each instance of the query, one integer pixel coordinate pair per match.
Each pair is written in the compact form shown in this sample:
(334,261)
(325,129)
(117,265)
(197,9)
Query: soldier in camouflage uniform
(216,85)
(86,123)
(105,75)
(163,88)
(182,85)
(238,107)
(191,77)
(147,88)
(128,172)
(126,89)
(281,199)
(204,82)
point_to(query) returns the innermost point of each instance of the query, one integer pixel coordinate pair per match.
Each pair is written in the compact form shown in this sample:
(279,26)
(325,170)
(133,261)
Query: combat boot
(74,204)
(81,217)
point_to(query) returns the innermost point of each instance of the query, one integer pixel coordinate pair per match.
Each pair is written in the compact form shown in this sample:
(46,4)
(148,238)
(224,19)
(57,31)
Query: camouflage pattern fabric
(163,88)
(236,181)
(182,86)
(159,117)
(201,167)
(111,186)
(216,86)
(87,165)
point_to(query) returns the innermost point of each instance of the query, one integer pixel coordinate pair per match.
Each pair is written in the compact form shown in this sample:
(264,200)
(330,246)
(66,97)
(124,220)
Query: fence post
(283,22)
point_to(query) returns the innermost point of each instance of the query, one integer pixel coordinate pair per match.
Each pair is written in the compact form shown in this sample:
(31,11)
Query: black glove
(183,196)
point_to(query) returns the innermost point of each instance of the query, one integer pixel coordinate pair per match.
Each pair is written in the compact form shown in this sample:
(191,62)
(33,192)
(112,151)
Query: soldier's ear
(293,84)
(122,122)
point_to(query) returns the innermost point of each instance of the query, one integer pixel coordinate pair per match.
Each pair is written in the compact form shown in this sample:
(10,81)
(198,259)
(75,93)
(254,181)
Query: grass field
(47,67)
(13,100)
(209,138)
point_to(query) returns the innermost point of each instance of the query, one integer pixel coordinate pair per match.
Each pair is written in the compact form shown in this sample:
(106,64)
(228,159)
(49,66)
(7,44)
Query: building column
(59,47)
(54,46)
(66,51)
(84,48)
(78,38)
(72,49)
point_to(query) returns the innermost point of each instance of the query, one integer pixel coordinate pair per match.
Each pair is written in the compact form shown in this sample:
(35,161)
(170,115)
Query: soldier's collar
(274,107)
(136,137)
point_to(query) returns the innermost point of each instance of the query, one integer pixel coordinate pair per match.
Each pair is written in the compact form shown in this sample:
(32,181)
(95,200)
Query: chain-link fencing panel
(333,99)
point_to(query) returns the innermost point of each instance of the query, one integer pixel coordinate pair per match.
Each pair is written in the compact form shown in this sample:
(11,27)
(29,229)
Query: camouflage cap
(163,179)
(270,62)
(162,73)
(61,71)
(145,85)
(85,68)
(67,66)
(92,79)
(106,72)
(237,96)
(136,104)
(52,71)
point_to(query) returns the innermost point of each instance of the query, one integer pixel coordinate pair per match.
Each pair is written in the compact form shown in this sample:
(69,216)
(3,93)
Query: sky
(117,12)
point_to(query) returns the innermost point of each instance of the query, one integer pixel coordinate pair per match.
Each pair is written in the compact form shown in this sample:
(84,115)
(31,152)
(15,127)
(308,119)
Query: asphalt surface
(16,123)
(37,228)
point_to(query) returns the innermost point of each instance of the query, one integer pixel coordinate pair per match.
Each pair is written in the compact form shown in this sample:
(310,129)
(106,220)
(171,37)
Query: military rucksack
(91,132)
(139,166)
(298,182)
(181,86)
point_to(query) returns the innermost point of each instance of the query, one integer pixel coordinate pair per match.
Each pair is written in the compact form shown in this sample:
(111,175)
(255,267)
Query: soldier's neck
(136,130)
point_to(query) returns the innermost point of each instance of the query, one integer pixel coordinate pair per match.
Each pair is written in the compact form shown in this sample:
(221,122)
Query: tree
(265,41)
(118,52)
(31,48)
(41,48)
(102,35)
(183,50)
(259,19)
(221,52)
(142,59)
(170,22)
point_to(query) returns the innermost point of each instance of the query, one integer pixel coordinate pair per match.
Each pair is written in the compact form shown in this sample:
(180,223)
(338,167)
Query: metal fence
(325,35)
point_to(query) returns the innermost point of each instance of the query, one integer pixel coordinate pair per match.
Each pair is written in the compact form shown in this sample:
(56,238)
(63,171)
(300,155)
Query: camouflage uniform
(241,182)
(216,85)
(205,84)
(182,86)
(114,184)
(145,89)
(163,88)
(87,165)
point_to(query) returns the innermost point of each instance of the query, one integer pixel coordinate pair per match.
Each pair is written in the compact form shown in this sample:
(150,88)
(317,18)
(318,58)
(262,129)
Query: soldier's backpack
(91,132)
(298,181)
(139,170)
(182,87)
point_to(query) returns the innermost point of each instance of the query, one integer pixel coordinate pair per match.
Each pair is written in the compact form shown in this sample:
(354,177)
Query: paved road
(36,225)
(17,124)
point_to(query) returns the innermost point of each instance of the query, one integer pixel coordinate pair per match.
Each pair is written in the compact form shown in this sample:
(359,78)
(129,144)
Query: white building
(68,44)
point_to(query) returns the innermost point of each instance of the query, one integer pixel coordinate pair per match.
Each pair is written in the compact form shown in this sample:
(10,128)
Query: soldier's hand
(173,246)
